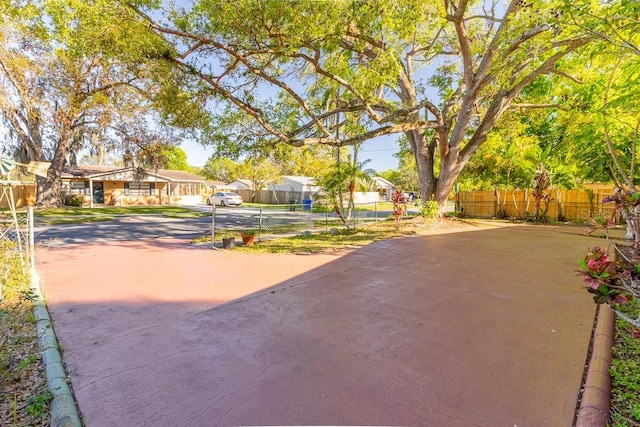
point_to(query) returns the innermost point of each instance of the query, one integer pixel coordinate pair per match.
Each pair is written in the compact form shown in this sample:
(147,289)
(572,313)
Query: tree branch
(239,58)
(549,64)
(536,106)
(628,179)
(567,75)
(381,131)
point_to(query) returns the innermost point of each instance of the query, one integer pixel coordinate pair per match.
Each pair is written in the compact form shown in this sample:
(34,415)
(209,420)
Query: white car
(224,199)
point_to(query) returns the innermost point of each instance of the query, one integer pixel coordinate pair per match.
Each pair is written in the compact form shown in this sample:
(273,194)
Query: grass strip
(24,397)
(625,372)
(72,215)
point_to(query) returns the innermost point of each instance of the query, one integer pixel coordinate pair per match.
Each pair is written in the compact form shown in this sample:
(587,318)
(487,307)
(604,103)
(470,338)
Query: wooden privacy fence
(23,195)
(570,205)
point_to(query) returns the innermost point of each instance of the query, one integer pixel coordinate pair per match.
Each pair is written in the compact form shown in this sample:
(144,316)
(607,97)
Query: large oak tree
(343,72)
(71,78)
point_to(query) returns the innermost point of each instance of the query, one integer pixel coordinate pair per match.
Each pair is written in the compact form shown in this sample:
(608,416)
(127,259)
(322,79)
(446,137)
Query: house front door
(98,192)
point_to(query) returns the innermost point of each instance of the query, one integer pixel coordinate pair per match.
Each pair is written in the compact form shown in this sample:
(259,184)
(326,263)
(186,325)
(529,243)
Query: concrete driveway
(481,328)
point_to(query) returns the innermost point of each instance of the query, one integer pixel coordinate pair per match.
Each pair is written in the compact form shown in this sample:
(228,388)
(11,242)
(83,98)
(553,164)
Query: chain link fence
(294,218)
(16,235)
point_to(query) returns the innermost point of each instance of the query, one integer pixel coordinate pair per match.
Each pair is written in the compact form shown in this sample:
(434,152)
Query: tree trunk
(48,193)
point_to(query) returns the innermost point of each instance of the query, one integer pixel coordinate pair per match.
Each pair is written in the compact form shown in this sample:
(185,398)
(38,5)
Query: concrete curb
(596,397)
(63,407)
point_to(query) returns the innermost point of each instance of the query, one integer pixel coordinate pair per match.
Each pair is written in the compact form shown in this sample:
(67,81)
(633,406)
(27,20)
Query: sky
(380,150)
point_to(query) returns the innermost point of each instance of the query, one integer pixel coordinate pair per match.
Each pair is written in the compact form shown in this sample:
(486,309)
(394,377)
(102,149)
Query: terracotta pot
(248,239)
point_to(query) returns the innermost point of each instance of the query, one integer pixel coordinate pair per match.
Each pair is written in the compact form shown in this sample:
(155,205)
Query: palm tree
(346,177)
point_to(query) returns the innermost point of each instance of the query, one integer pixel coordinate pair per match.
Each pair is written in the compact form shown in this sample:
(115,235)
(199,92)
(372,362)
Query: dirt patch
(438,225)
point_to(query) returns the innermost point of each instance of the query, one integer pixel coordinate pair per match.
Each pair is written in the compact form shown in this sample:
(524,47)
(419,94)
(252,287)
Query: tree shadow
(477,328)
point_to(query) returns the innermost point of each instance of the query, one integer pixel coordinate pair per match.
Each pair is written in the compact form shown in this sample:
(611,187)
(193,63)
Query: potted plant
(228,242)
(248,237)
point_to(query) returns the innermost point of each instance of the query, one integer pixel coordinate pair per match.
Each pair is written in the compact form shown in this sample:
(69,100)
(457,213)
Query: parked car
(224,199)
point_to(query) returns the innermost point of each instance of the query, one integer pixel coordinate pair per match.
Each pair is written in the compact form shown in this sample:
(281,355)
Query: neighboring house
(112,185)
(296,183)
(241,184)
(218,186)
(384,187)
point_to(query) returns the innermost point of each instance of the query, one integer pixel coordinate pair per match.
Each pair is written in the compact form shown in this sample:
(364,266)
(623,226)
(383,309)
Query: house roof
(246,182)
(180,175)
(381,182)
(216,184)
(304,180)
(96,171)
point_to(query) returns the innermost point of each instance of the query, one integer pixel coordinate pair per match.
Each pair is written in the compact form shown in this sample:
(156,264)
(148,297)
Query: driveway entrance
(482,328)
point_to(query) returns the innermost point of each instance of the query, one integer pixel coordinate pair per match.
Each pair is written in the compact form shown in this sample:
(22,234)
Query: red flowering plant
(399,205)
(601,273)
(611,282)
(627,204)
(626,201)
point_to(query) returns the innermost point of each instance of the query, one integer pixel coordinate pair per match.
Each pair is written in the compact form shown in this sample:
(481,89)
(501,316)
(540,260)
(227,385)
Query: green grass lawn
(625,372)
(68,215)
(318,240)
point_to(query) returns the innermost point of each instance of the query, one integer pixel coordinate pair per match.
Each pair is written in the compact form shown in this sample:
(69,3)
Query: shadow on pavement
(484,328)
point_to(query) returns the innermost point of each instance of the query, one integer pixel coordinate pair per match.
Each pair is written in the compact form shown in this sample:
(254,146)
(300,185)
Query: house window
(76,187)
(138,189)
(126,188)
(87,188)
(152,187)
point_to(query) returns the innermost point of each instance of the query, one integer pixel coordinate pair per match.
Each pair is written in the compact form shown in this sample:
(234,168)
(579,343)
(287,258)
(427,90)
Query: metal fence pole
(260,226)
(32,245)
(213,225)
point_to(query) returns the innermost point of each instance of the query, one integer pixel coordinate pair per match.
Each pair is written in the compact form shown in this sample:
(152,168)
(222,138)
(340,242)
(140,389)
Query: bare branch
(381,131)
(536,106)
(486,64)
(242,59)
(567,75)
(465,51)
(485,17)
(549,64)
(254,112)
(628,179)
(527,35)
(194,48)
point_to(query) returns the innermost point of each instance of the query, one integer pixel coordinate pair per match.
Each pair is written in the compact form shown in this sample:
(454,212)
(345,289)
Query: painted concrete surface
(481,328)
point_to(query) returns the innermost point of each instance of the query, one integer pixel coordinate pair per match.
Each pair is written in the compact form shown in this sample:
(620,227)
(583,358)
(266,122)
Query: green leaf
(603,289)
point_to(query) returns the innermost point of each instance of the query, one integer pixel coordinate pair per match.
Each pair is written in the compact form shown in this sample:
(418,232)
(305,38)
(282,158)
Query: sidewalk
(481,328)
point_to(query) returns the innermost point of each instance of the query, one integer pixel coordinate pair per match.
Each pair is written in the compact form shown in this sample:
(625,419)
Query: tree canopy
(469,84)
(340,73)
(71,80)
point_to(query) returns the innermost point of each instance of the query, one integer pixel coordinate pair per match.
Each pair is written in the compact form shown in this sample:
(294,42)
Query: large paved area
(479,328)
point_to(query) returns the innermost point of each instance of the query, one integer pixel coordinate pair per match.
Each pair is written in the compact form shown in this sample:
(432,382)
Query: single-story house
(241,184)
(296,183)
(218,186)
(384,188)
(112,185)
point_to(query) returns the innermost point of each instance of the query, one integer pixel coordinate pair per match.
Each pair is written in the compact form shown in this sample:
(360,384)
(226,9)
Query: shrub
(429,209)
(73,200)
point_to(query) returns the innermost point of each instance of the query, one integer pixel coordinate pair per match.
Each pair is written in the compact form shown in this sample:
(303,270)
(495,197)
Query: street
(136,227)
